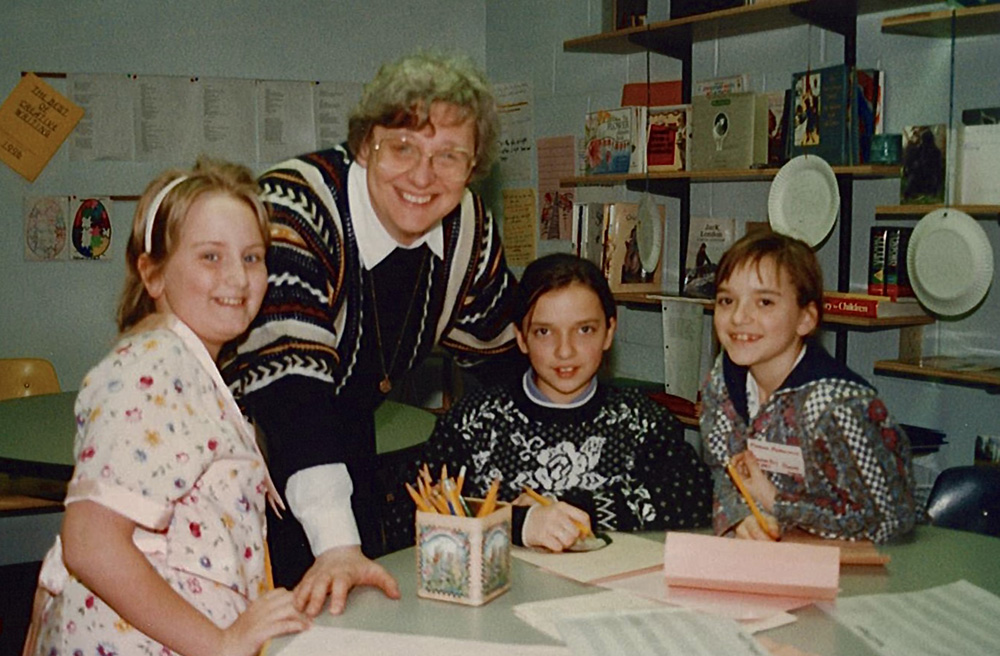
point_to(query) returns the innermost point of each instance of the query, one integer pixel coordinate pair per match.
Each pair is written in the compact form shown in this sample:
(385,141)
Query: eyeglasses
(399,155)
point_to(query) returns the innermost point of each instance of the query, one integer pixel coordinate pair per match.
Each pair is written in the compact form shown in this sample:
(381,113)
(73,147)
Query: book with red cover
(658,93)
(866,305)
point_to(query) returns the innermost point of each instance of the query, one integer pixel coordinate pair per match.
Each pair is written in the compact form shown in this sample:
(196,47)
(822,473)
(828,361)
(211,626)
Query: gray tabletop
(929,557)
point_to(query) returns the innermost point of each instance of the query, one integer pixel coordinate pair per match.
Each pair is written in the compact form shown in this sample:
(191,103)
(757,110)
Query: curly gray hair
(401,93)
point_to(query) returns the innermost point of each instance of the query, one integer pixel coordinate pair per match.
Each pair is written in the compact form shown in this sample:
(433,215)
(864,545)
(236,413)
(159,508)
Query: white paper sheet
(543,615)
(657,633)
(626,553)
(963,617)
(324,641)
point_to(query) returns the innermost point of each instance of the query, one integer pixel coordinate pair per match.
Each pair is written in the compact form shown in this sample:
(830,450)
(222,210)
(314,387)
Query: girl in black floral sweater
(613,458)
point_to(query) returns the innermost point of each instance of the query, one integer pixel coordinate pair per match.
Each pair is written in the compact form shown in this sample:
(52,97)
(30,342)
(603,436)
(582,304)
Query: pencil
(733,474)
(545,501)
(490,502)
(417,499)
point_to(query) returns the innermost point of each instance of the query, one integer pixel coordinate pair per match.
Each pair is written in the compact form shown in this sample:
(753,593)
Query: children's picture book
(922,180)
(721,86)
(819,123)
(614,140)
(622,262)
(777,103)
(708,239)
(668,138)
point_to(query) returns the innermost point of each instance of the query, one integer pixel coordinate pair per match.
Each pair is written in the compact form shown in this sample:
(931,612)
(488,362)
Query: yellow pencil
(490,502)
(733,474)
(545,501)
(417,499)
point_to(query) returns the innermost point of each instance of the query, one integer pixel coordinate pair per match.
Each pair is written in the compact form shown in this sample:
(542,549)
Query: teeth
(230,301)
(418,200)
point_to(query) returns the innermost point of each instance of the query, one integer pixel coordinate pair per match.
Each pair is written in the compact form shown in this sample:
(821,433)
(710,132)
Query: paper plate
(649,234)
(804,200)
(950,262)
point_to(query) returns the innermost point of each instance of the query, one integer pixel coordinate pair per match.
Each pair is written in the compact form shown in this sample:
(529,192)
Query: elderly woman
(379,252)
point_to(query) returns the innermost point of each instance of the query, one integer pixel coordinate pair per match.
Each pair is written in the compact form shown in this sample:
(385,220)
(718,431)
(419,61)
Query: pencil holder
(463,559)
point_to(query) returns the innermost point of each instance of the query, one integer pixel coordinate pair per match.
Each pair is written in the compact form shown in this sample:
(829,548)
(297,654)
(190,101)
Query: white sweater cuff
(320,498)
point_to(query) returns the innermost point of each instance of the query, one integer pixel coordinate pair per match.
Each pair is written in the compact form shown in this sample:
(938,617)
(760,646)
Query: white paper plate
(950,262)
(804,200)
(649,234)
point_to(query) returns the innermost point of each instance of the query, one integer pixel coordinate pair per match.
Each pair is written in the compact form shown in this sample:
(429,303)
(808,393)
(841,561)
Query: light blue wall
(524,40)
(64,311)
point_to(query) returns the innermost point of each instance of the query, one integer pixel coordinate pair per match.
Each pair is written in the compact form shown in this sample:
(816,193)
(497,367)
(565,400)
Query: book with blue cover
(820,121)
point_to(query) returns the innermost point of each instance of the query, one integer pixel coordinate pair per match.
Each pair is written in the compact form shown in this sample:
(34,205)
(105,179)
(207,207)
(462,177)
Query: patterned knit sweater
(621,457)
(858,481)
(308,370)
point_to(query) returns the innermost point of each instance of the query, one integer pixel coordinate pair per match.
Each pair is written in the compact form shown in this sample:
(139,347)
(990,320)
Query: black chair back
(968,499)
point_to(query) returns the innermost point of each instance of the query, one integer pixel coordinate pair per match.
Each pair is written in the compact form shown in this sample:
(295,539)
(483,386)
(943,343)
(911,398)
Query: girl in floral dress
(614,459)
(162,545)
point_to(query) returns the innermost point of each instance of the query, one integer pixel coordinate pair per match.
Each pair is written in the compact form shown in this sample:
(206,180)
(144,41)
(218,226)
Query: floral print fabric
(160,441)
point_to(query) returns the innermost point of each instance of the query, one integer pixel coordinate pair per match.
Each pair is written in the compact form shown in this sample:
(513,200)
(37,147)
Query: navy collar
(816,365)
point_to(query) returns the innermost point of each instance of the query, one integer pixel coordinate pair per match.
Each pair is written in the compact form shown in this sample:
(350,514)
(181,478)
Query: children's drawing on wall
(45,227)
(91,235)
(556,215)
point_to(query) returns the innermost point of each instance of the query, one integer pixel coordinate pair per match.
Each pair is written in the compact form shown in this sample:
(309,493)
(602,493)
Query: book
(589,226)
(621,263)
(897,279)
(777,102)
(652,94)
(868,95)
(867,305)
(721,86)
(819,123)
(728,131)
(612,137)
(923,175)
(668,138)
(876,260)
(708,239)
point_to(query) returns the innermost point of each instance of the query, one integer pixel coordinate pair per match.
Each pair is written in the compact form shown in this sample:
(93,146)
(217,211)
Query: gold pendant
(385,386)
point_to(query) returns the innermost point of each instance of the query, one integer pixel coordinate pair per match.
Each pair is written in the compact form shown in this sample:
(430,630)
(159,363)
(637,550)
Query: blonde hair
(401,93)
(208,175)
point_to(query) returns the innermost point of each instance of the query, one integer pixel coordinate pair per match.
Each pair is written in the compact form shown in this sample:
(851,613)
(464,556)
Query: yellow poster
(519,226)
(34,121)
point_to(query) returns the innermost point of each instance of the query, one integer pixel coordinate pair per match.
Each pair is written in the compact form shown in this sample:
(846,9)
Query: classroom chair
(968,499)
(27,377)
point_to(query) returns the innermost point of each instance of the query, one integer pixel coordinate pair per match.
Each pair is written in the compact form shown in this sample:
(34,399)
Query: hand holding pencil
(555,525)
(760,526)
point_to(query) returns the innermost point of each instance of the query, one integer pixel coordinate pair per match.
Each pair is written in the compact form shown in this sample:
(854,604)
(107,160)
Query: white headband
(154,207)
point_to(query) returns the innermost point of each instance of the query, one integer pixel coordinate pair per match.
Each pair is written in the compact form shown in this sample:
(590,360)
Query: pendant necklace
(385,385)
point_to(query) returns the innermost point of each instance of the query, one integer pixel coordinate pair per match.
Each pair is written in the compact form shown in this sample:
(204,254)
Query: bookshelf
(968,371)
(968,21)
(984,212)
(674,38)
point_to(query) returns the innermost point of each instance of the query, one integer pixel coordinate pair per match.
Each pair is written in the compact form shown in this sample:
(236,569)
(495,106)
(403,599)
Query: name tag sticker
(778,458)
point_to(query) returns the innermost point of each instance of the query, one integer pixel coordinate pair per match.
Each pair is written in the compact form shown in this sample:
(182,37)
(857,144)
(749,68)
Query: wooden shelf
(643,299)
(970,21)
(723,175)
(947,369)
(917,211)
(674,37)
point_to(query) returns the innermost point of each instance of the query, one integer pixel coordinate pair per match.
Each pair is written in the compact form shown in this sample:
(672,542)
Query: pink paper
(714,563)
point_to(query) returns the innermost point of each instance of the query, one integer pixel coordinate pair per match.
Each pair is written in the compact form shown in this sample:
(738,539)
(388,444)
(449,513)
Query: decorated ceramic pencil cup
(464,559)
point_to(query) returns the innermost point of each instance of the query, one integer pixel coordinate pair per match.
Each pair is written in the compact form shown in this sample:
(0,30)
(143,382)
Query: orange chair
(27,377)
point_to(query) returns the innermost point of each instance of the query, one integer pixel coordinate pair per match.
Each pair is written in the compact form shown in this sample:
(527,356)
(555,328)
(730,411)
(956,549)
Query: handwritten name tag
(778,458)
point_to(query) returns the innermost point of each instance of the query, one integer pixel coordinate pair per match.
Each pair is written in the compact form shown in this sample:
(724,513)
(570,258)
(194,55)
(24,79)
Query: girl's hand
(759,485)
(555,527)
(271,615)
(749,528)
